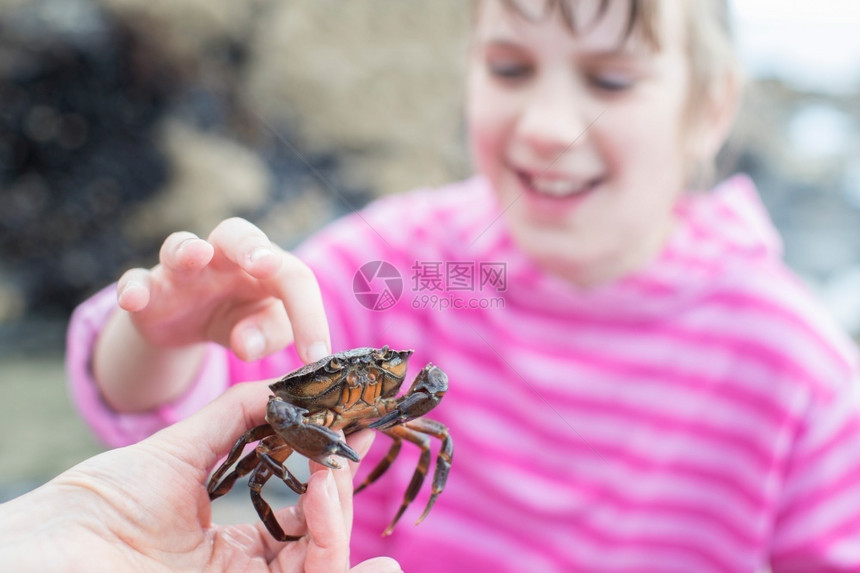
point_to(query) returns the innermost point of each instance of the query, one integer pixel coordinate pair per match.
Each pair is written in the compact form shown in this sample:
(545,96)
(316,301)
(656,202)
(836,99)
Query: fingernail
(389,566)
(255,343)
(259,253)
(185,243)
(317,351)
(329,487)
(128,288)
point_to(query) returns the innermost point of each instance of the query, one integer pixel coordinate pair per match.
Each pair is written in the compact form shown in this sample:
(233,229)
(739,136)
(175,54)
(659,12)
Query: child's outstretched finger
(262,333)
(132,290)
(244,244)
(284,277)
(183,251)
(296,285)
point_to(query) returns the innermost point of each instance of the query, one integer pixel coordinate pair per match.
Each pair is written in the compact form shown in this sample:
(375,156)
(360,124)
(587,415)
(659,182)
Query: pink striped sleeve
(117,428)
(818,524)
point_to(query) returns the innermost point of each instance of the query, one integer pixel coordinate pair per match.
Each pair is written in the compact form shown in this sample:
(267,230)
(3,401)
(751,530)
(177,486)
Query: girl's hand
(236,288)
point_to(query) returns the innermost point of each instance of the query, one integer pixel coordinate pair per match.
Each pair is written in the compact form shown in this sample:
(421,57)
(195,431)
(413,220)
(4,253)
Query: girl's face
(581,134)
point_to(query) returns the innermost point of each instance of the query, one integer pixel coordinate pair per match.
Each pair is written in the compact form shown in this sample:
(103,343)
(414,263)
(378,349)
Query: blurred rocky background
(124,120)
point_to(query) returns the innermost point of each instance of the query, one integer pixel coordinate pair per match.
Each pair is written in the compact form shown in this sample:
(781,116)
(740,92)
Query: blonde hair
(713,67)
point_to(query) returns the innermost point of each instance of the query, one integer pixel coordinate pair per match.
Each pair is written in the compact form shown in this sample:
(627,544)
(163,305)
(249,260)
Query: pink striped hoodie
(701,414)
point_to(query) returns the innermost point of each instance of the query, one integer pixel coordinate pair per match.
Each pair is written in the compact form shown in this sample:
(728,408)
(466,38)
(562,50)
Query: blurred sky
(810,44)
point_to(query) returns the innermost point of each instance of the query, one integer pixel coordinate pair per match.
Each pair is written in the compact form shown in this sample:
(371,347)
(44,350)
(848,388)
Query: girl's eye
(612,82)
(509,70)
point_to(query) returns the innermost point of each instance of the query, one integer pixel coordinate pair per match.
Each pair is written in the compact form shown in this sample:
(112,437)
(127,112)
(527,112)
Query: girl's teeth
(556,187)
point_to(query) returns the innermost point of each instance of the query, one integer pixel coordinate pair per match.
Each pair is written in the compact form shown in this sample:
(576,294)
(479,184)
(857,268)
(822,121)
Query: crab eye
(335,364)
(382,354)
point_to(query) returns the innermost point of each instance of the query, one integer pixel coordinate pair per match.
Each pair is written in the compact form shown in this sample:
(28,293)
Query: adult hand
(145,507)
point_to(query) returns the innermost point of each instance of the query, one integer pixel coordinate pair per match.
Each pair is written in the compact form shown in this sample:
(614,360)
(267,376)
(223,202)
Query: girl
(650,389)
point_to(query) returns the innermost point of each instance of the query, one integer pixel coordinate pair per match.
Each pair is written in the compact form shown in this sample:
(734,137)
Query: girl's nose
(554,117)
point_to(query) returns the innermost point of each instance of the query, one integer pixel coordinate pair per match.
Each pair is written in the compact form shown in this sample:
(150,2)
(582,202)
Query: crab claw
(319,443)
(426,392)
(313,441)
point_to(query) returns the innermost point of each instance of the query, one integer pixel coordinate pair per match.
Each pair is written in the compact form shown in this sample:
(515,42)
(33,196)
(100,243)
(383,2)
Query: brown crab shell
(320,384)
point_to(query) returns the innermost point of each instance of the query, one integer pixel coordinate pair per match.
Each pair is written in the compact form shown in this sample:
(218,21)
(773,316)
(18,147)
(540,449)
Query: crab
(347,391)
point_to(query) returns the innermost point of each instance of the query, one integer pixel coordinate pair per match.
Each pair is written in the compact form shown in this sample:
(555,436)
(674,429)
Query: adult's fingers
(328,546)
(360,442)
(202,439)
(378,565)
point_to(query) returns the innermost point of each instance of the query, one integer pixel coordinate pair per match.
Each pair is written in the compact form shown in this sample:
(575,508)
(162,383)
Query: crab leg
(274,452)
(416,431)
(244,467)
(398,432)
(443,460)
(383,465)
(259,477)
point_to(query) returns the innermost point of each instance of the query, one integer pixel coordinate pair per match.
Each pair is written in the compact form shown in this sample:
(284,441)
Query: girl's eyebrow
(503,42)
(618,52)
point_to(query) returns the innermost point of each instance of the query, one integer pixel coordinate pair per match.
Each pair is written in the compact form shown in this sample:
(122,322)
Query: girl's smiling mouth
(557,189)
